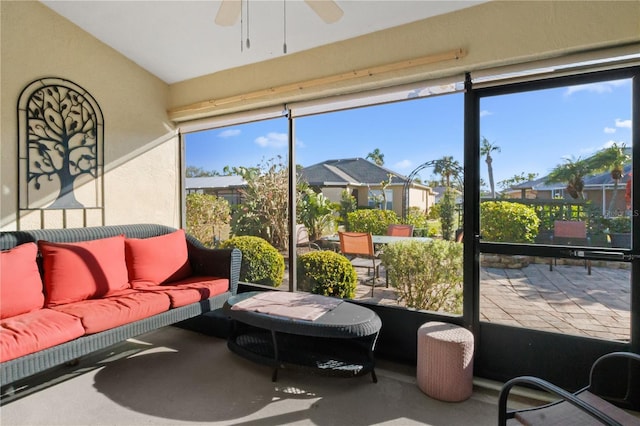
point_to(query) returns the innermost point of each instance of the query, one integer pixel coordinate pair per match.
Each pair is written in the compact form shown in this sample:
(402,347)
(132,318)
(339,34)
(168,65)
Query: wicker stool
(445,361)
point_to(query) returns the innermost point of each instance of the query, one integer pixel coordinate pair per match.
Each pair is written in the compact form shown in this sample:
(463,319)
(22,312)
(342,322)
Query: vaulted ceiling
(180,40)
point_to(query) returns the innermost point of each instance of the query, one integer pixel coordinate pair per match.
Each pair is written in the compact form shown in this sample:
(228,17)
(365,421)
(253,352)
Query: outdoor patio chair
(570,232)
(358,248)
(400,230)
(303,243)
(598,403)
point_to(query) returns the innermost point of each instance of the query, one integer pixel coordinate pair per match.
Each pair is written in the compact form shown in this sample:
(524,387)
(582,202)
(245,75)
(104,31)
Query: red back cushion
(83,270)
(158,260)
(21,285)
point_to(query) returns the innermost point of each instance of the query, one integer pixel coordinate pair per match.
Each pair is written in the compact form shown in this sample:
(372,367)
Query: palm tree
(613,159)
(376,156)
(447,167)
(572,171)
(486,149)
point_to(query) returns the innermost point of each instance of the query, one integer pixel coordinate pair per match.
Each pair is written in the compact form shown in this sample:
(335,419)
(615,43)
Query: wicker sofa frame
(204,261)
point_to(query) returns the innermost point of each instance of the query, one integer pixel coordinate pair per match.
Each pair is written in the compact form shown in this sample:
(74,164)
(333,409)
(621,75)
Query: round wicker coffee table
(339,340)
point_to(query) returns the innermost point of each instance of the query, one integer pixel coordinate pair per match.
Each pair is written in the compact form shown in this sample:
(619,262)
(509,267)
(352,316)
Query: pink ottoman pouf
(445,361)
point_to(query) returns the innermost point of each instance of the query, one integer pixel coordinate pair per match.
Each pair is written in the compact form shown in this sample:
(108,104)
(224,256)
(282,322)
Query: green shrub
(207,217)
(261,262)
(619,225)
(416,217)
(327,273)
(374,221)
(427,275)
(504,221)
(433,228)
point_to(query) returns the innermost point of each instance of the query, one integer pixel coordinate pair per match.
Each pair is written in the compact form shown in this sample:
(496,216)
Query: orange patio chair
(570,232)
(358,248)
(399,230)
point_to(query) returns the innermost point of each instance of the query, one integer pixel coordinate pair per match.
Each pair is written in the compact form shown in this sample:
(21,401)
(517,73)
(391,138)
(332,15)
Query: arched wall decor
(60,155)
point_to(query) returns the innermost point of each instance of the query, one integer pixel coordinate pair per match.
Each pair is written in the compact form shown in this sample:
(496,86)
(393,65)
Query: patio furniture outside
(400,230)
(321,333)
(358,248)
(570,232)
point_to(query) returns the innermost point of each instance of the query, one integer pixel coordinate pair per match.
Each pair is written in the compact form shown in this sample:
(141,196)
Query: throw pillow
(83,270)
(21,288)
(158,260)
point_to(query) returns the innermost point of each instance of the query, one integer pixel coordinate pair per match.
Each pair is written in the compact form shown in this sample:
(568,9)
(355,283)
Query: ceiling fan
(230,10)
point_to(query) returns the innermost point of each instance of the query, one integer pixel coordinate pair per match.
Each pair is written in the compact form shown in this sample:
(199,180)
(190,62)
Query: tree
(315,211)
(448,168)
(206,216)
(62,133)
(266,196)
(380,201)
(447,211)
(486,149)
(612,159)
(572,171)
(348,204)
(376,156)
(194,171)
(517,179)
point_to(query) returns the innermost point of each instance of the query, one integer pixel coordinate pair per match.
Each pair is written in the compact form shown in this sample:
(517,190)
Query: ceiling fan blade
(228,13)
(327,10)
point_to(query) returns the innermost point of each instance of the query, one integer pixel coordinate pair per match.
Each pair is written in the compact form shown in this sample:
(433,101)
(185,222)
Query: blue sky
(534,131)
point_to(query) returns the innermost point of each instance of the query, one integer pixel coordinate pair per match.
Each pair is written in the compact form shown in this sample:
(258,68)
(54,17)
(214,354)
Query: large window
(359,168)
(554,163)
(560,155)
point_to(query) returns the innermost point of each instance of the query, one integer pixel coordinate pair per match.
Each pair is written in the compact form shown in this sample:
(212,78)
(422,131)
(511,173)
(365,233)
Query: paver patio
(565,300)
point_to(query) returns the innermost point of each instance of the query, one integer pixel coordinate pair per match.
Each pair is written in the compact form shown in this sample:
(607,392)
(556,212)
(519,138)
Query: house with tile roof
(227,187)
(364,180)
(598,188)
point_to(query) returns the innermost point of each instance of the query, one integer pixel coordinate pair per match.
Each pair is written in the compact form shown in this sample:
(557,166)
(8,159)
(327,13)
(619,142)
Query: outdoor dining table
(381,239)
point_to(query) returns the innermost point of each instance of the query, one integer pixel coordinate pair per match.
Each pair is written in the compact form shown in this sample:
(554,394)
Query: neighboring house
(363,179)
(227,187)
(439,191)
(598,189)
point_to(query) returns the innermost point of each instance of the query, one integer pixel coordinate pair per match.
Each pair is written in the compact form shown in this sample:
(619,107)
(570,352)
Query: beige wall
(498,33)
(140,146)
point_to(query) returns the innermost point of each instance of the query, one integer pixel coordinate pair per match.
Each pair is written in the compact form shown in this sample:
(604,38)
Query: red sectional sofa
(67,292)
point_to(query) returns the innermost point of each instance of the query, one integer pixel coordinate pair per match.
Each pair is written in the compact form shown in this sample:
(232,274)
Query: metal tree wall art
(61,146)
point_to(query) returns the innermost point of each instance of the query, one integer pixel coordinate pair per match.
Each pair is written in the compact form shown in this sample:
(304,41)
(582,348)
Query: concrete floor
(174,376)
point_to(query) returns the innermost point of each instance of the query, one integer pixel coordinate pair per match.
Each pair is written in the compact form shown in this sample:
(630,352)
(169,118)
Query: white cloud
(484,113)
(609,130)
(273,140)
(599,88)
(623,123)
(229,133)
(403,165)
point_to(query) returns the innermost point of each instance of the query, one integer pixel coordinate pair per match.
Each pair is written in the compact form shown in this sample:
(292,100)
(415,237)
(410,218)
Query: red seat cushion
(158,260)
(188,290)
(112,311)
(21,288)
(83,270)
(28,333)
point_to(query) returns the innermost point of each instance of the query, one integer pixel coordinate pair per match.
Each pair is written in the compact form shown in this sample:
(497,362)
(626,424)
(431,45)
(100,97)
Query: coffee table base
(351,357)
